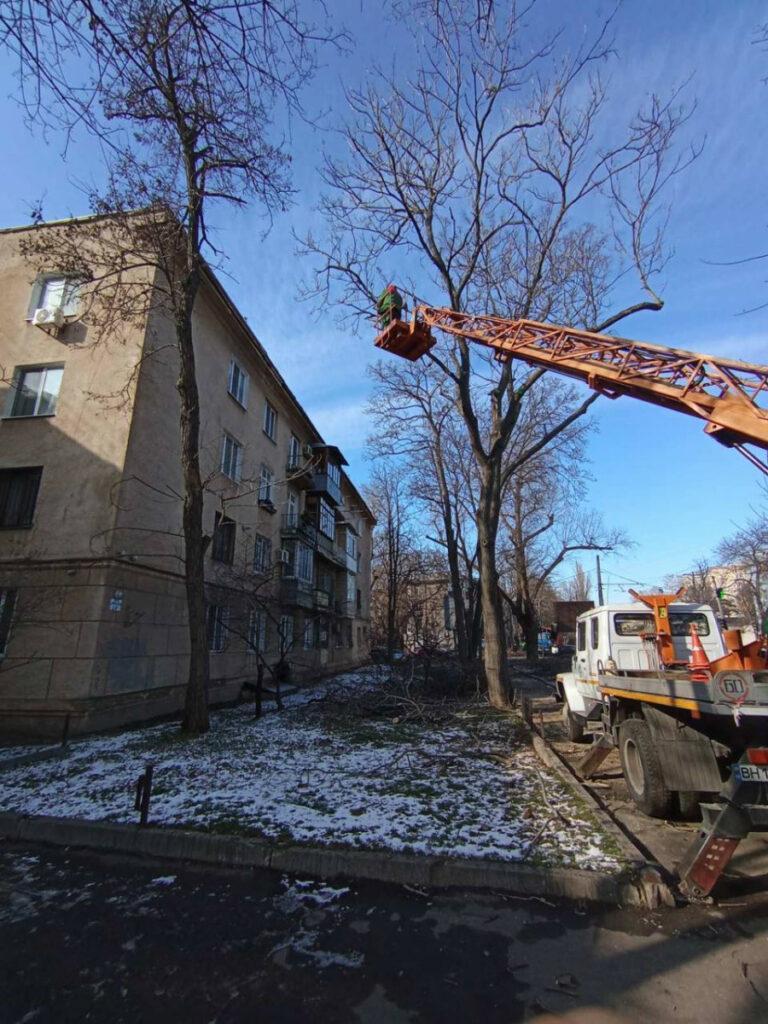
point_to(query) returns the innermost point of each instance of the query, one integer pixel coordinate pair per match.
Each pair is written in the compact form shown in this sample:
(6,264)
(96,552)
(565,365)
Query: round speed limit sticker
(733,688)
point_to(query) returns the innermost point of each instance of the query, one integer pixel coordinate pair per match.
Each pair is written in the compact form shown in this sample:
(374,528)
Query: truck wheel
(574,724)
(642,769)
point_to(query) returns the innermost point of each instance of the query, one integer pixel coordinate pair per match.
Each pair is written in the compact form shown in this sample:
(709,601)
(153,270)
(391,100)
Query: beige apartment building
(93,621)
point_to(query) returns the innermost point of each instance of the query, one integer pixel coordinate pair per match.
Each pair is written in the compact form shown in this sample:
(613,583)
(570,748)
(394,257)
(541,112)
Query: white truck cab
(610,639)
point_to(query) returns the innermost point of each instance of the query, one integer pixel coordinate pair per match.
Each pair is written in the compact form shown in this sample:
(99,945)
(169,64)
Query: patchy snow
(163,880)
(461,789)
(10,753)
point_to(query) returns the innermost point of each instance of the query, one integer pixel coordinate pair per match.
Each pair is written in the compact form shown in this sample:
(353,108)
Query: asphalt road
(85,937)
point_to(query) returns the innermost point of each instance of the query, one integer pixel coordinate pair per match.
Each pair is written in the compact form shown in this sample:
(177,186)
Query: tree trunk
(531,633)
(495,651)
(195,720)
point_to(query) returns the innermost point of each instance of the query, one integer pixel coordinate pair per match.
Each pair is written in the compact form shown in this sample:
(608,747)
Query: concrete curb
(649,871)
(635,887)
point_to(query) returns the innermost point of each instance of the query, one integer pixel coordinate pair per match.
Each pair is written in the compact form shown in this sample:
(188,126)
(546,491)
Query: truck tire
(642,769)
(574,724)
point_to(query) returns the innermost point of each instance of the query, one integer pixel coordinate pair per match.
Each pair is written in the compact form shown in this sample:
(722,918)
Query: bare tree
(182,98)
(579,586)
(395,561)
(747,551)
(545,517)
(482,175)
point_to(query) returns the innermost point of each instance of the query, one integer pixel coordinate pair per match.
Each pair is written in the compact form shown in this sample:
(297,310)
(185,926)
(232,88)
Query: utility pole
(600,599)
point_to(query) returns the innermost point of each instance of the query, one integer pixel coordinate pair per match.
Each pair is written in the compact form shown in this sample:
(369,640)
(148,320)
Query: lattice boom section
(615,360)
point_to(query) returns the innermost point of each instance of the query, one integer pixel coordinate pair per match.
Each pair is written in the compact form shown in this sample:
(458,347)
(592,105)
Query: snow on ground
(356,782)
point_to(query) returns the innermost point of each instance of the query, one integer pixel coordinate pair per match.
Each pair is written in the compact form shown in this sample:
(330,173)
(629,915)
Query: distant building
(93,622)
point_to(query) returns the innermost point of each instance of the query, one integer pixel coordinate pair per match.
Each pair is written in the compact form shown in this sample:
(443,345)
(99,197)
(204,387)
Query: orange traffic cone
(698,663)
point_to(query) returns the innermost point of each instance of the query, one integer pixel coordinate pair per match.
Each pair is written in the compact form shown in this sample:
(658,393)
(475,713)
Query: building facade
(93,624)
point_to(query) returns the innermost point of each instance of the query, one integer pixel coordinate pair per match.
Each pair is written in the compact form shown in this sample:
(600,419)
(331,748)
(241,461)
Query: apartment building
(93,625)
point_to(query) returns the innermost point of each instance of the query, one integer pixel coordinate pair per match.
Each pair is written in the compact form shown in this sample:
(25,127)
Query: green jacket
(389,300)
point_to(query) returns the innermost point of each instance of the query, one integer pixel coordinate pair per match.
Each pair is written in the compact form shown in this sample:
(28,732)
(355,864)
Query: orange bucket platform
(407,338)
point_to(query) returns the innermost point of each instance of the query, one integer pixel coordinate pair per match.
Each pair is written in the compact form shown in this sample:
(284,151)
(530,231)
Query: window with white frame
(334,473)
(218,621)
(351,544)
(7,605)
(351,589)
(262,554)
(35,390)
(292,509)
(286,632)
(327,521)
(270,421)
(294,452)
(238,382)
(55,291)
(308,635)
(231,458)
(223,543)
(257,632)
(304,563)
(266,484)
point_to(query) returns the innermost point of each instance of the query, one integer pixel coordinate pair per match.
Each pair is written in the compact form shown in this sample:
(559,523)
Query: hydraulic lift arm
(729,395)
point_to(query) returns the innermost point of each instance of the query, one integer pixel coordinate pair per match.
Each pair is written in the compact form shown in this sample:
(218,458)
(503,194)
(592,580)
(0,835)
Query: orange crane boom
(729,395)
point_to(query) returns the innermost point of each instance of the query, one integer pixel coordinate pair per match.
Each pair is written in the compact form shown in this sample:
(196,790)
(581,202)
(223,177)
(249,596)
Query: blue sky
(674,491)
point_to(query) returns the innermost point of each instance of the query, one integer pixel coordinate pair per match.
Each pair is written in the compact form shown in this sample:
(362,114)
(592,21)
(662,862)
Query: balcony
(297,593)
(300,472)
(296,527)
(345,608)
(324,484)
(329,550)
(322,599)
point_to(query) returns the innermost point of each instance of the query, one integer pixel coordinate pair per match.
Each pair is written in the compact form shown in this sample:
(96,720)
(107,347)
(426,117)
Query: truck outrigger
(685,702)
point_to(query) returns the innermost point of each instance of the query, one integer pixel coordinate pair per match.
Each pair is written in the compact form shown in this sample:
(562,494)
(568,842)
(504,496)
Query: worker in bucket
(389,306)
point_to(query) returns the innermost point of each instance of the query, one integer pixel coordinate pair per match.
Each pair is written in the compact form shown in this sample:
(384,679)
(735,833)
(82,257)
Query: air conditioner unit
(48,317)
(285,556)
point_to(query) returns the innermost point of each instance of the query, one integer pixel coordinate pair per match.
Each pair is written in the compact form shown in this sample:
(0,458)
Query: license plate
(751,772)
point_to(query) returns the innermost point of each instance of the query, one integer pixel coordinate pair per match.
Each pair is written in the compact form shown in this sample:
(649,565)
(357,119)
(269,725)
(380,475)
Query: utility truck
(685,701)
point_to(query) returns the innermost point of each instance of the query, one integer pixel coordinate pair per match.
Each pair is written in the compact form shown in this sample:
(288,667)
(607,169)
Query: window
(262,554)
(52,291)
(351,544)
(266,482)
(237,384)
(231,458)
(680,623)
(308,635)
(7,605)
(351,592)
(327,519)
(347,632)
(594,631)
(18,495)
(334,473)
(581,636)
(304,563)
(292,509)
(633,623)
(35,391)
(270,421)
(286,632)
(322,632)
(257,632)
(294,452)
(359,600)
(217,622)
(223,545)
